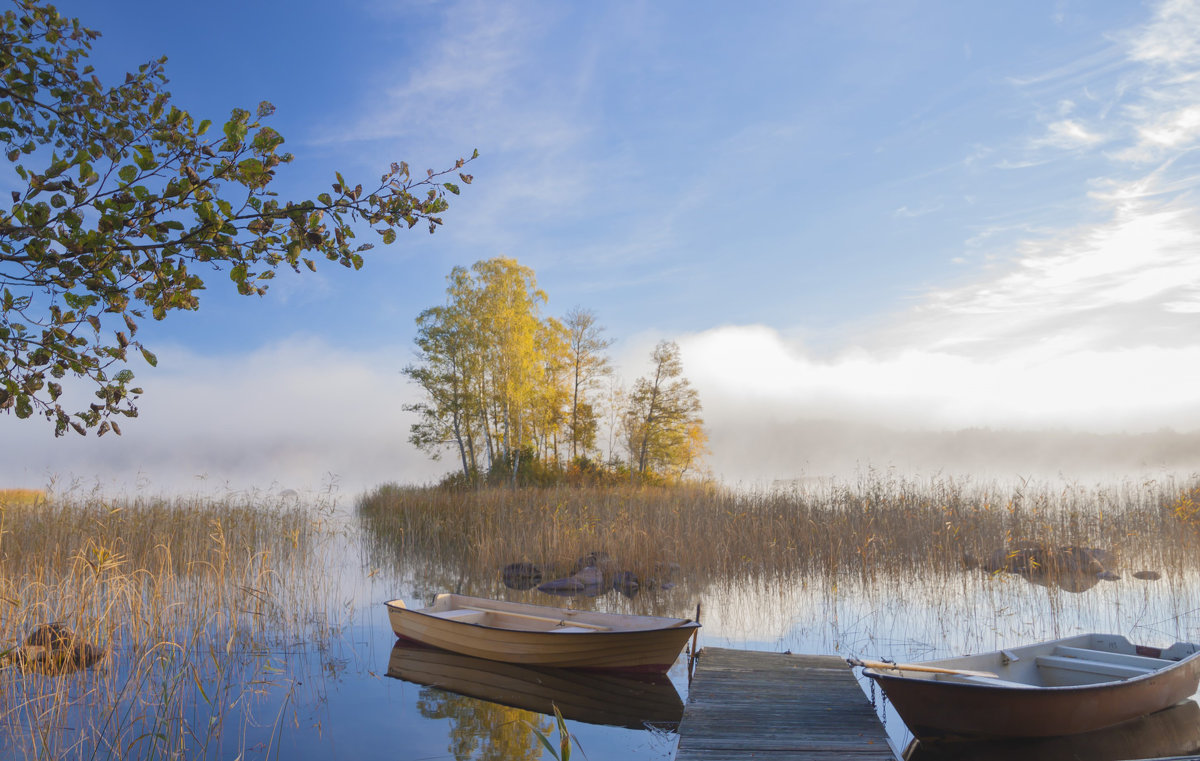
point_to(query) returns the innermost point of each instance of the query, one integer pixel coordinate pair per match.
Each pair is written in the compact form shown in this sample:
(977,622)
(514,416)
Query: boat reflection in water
(612,699)
(1172,732)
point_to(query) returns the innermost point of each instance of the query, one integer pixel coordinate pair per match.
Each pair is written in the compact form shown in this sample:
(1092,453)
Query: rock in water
(521,575)
(55,650)
(52,636)
(626,582)
(562,587)
(590,577)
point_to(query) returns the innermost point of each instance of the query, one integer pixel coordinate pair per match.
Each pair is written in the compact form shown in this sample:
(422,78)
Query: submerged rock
(569,585)
(1070,568)
(54,635)
(598,572)
(590,577)
(626,582)
(1147,575)
(54,649)
(600,563)
(521,575)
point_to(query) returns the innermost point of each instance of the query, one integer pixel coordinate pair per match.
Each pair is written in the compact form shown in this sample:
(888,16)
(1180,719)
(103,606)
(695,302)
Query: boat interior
(537,618)
(515,621)
(1083,660)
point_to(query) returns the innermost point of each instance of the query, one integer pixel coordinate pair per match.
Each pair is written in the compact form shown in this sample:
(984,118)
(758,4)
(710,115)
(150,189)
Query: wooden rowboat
(606,698)
(1062,687)
(535,635)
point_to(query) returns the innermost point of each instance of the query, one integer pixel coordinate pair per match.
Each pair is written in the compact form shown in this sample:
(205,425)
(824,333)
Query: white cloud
(1166,83)
(1175,129)
(1068,134)
(774,411)
(1170,38)
(1049,384)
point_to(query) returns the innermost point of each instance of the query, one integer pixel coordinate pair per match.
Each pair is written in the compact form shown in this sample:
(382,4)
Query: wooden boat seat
(1091,666)
(575,629)
(467,616)
(1122,658)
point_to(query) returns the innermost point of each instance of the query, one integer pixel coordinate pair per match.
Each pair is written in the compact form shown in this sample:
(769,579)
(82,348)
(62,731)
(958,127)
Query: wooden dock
(775,706)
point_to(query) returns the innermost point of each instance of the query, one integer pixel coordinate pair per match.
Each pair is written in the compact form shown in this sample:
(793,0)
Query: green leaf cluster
(126,201)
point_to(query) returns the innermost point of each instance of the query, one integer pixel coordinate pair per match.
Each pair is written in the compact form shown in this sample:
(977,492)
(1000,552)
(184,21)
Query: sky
(940,237)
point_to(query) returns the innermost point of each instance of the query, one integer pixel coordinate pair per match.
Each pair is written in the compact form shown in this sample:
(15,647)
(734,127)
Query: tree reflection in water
(485,731)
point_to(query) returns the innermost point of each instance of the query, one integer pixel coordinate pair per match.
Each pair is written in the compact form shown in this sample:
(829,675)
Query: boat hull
(1168,733)
(948,710)
(650,650)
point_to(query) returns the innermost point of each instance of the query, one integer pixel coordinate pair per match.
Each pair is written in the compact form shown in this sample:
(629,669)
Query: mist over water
(762,451)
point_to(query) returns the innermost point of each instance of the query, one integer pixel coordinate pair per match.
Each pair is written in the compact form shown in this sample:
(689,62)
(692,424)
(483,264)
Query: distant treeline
(521,398)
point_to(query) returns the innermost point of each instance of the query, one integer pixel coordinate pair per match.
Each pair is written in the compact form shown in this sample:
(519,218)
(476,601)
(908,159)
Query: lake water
(351,694)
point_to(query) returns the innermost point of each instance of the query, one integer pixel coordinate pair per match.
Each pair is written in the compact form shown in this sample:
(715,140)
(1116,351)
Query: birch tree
(663,427)
(588,365)
(506,306)
(491,369)
(445,370)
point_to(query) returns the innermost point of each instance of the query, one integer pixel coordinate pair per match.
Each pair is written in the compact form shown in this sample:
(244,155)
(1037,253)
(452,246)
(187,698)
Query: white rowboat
(536,635)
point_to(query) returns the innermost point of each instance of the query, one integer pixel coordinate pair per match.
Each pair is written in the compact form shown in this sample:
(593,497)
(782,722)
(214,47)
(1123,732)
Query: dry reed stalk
(185,596)
(877,524)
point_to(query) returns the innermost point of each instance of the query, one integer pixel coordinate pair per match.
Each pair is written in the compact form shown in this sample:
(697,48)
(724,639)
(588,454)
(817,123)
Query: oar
(563,621)
(919,667)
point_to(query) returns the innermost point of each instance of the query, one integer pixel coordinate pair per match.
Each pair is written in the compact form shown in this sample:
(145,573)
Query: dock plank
(778,707)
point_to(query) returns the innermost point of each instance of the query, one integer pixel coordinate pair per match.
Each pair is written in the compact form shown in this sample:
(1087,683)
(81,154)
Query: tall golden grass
(877,523)
(187,597)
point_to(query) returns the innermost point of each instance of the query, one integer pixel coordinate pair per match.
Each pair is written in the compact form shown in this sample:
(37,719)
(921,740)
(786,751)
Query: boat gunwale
(684,624)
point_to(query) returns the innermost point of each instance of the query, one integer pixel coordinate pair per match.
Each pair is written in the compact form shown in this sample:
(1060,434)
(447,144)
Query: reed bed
(192,600)
(877,523)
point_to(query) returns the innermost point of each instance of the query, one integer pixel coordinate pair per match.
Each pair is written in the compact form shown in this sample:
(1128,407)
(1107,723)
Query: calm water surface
(335,698)
(904,616)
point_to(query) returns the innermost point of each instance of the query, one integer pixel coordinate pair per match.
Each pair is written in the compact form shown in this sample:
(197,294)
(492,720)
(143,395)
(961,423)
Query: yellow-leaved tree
(664,432)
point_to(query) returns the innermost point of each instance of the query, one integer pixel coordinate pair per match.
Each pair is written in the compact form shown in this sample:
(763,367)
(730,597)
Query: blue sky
(927,216)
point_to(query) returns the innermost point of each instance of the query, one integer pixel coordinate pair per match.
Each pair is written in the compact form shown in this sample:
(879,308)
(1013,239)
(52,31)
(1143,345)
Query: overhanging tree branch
(124,195)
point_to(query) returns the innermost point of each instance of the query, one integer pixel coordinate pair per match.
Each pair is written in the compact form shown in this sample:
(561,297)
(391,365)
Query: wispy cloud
(453,83)
(1122,277)
(1066,284)
(904,212)
(1170,37)
(1068,134)
(1134,97)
